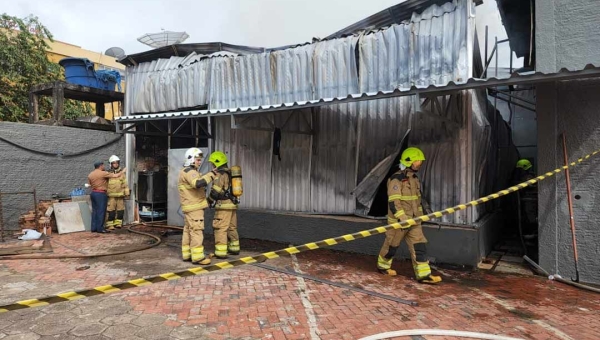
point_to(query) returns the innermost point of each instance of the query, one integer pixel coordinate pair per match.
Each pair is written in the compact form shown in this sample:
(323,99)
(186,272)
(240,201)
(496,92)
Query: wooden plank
(58,99)
(78,92)
(33,108)
(19,249)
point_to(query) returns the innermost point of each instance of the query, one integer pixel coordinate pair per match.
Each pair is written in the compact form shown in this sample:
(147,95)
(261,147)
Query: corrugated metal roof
(389,16)
(590,71)
(183,50)
(392,15)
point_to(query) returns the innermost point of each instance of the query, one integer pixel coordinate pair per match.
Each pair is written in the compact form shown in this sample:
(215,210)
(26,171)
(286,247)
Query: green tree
(24,63)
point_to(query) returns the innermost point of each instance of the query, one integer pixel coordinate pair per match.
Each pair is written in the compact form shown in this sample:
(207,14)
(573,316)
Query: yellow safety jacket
(117,187)
(220,193)
(192,189)
(404,196)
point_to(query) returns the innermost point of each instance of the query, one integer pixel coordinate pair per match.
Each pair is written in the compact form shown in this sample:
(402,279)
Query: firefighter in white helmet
(192,194)
(227,240)
(404,203)
(117,192)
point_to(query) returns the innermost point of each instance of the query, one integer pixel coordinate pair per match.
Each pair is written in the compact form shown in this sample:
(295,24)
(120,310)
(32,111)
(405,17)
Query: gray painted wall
(23,170)
(571,107)
(567,34)
(567,37)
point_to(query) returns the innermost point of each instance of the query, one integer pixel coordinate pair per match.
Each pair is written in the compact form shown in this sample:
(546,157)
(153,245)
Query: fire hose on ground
(87,256)
(438,332)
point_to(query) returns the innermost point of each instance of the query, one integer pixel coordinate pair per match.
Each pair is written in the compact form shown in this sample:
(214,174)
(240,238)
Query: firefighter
(526,198)
(118,191)
(192,194)
(523,172)
(404,202)
(98,181)
(227,240)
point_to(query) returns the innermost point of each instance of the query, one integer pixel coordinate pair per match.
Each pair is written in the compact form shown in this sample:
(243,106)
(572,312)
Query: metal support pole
(514,96)
(486,51)
(35,209)
(570,202)
(520,223)
(511,61)
(495,95)
(170,131)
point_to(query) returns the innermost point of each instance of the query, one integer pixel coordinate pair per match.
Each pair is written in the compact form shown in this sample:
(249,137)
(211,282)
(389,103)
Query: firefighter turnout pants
(227,240)
(416,243)
(115,210)
(193,236)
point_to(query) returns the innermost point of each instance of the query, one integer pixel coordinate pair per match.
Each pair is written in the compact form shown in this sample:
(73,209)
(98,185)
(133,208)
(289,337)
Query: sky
(100,24)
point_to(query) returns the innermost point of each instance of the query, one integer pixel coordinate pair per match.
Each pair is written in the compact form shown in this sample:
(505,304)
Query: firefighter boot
(388,272)
(431,279)
(384,266)
(203,262)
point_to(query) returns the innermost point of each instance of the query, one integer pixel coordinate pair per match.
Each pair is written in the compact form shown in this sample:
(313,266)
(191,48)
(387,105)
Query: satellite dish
(116,52)
(164,38)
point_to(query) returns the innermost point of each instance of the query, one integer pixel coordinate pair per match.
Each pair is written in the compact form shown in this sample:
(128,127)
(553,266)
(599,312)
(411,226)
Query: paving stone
(71,337)
(136,313)
(4,324)
(23,336)
(155,332)
(121,331)
(49,319)
(60,307)
(97,314)
(54,329)
(149,320)
(88,329)
(188,332)
(19,326)
(118,319)
(109,302)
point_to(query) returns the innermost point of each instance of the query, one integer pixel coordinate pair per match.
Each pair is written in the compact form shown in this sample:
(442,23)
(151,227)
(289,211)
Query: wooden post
(100,110)
(58,99)
(33,108)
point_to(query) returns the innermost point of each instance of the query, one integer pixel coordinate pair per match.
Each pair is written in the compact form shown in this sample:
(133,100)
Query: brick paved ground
(254,303)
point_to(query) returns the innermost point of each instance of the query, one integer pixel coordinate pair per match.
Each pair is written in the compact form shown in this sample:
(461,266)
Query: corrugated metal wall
(349,140)
(429,50)
(168,84)
(317,173)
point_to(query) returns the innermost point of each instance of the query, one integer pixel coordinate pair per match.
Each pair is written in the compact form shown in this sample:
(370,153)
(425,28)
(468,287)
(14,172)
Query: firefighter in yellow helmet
(523,171)
(227,240)
(192,195)
(117,191)
(404,202)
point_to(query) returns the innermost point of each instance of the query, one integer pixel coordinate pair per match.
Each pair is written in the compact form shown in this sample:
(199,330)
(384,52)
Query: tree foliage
(24,63)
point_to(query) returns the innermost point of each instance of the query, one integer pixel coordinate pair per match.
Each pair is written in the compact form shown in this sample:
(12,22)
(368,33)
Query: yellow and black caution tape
(74,295)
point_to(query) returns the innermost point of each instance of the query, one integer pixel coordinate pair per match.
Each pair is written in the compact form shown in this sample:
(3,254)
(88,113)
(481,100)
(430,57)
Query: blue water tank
(79,71)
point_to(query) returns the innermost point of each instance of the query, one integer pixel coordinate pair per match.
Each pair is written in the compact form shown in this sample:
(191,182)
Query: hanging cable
(51,154)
